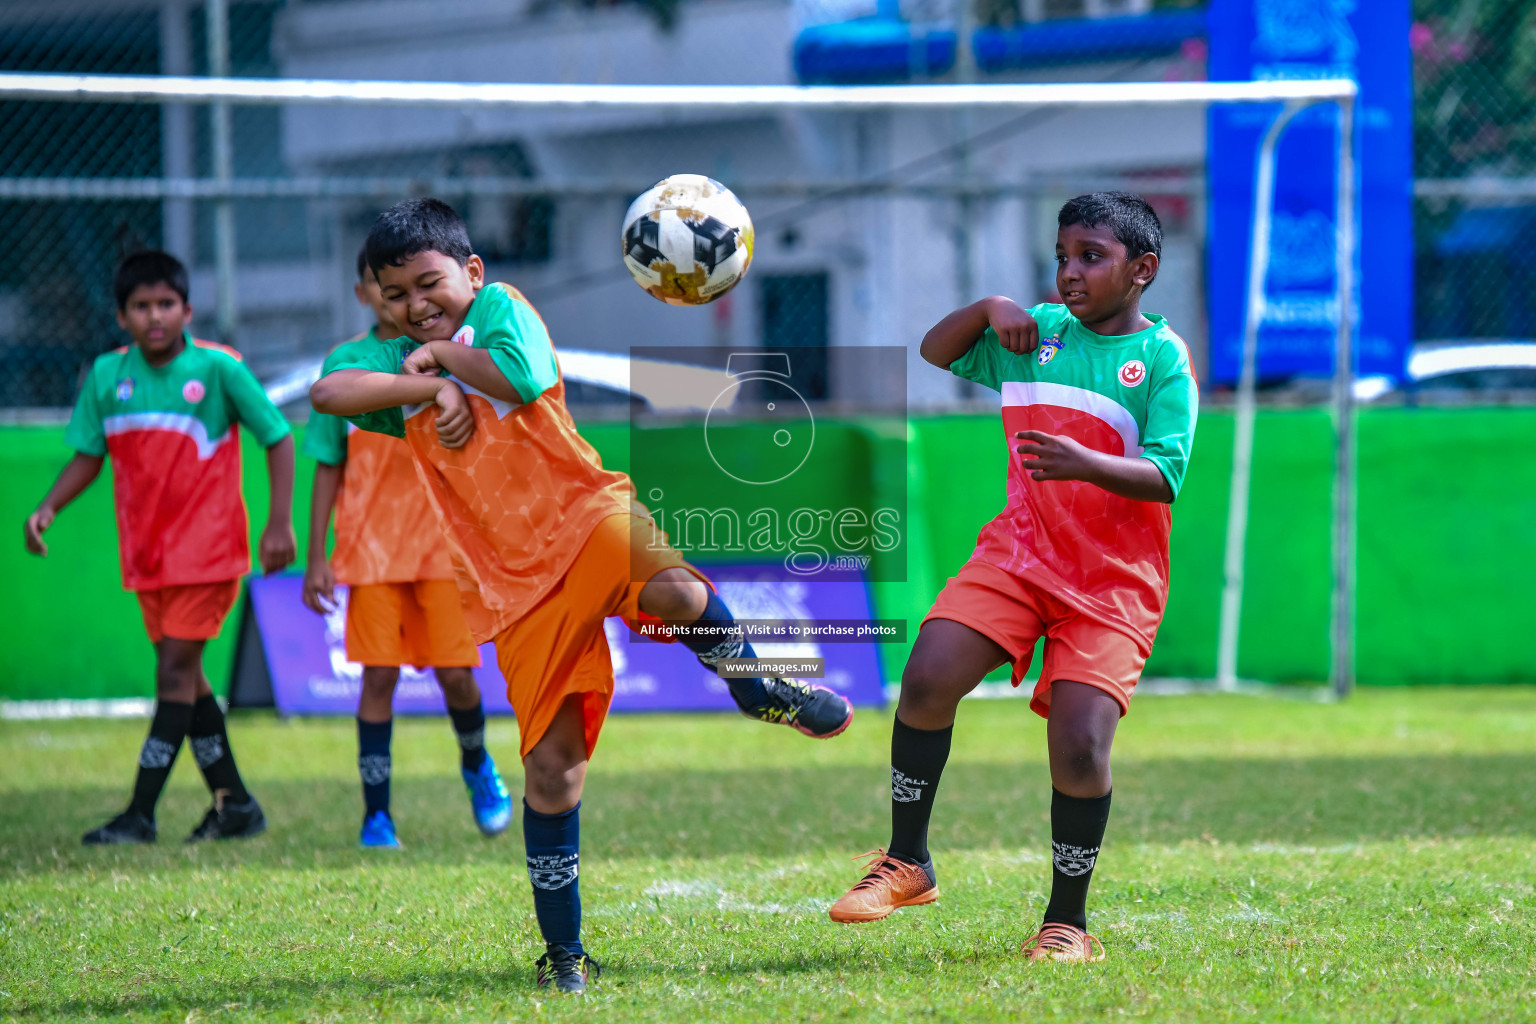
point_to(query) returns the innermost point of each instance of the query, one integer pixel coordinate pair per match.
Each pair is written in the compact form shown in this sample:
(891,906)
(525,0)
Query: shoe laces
(881,867)
(1055,935)
(558,961)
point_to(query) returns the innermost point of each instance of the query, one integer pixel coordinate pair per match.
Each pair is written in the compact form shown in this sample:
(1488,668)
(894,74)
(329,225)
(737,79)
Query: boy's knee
(178,670)
(925,689)
(1079,754)
(674,595)
(552,785)
(458,685)
(379,681)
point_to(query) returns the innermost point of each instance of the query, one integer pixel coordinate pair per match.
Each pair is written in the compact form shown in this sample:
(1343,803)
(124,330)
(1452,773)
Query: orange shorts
(559,648)
(420,623)
(192,612)
(1015,613)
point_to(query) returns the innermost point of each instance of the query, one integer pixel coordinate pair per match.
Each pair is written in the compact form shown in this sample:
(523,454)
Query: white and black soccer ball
(687,240)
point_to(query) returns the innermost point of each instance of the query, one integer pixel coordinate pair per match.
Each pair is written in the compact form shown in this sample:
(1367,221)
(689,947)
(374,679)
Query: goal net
(877,210)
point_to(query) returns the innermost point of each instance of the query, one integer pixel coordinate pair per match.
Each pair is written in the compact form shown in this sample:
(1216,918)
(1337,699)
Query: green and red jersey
(386,528)
(172,434)
(1130,395)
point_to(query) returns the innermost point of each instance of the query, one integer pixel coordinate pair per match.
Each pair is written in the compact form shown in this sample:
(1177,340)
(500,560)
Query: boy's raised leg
(488,797)
(1078,733)
(677,596)
(947,662)
(555,771)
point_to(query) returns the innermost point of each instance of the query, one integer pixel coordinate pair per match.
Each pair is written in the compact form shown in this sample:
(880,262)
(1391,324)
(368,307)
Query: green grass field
(1374,860)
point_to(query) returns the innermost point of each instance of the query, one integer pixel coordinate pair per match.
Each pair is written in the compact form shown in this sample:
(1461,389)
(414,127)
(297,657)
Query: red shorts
(420,624)
(192,612)
(560,647)
(1015,614)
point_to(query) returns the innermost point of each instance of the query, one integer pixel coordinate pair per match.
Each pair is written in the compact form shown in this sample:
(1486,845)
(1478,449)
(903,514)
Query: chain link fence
(1474,64)
(870,226)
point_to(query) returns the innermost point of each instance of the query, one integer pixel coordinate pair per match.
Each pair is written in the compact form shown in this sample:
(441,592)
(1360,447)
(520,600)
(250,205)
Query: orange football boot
(890,883)
(1063,943)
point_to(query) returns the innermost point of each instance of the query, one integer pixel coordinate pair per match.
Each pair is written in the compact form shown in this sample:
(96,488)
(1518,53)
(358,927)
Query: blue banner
(309,674)
(1366,40)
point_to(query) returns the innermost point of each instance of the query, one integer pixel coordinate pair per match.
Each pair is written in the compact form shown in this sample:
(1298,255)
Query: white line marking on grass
(106,707)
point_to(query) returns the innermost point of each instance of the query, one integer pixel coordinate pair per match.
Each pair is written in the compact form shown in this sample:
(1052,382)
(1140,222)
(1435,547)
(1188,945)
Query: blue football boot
(488,798)
(379,832)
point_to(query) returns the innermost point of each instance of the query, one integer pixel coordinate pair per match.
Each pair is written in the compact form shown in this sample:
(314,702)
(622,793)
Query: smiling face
(429,294)
(155,316)
(1095,277)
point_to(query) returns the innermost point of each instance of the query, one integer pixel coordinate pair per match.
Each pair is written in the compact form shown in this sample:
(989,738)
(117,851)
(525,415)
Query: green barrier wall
(1447,504)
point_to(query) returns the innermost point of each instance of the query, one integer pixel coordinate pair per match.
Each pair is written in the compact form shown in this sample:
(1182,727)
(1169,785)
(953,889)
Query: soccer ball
(687,240)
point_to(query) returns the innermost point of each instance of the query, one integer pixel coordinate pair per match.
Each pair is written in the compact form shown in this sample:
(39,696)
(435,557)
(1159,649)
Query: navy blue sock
(716,635)
(469,727)
(374,763)
(553,842)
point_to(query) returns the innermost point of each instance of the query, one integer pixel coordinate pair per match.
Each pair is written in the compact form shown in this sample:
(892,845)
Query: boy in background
(547,542)
(403,602)
(167,409)
(1099,403)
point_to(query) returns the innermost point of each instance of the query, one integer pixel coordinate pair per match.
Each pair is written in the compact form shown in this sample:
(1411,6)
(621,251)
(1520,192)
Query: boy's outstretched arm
(353,392)
(75,477)
(319,580)
(473,366)
(952,337)
(277,547)
(1054,457)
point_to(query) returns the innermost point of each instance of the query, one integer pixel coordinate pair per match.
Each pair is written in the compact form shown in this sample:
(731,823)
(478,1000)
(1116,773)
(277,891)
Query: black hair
(1129,218)
(362,261)
(415,226)
(148,266)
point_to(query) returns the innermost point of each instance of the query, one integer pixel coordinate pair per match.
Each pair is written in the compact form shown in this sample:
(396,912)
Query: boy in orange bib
(547,542)
(403,605)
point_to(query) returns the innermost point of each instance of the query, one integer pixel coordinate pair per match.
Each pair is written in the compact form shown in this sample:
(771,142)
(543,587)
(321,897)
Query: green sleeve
(1172,407)
(983,362)
(325,439)
(252,408)
(85,433)
(380,357)
(519,344)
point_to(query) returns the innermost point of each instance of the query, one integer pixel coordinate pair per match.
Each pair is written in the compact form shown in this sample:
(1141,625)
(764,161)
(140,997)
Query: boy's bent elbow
(325,396)
(928,350)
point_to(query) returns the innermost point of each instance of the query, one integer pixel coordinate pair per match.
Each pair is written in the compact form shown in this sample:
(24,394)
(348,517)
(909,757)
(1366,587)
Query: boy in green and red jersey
(167,409)
(1099,404)
(403,604)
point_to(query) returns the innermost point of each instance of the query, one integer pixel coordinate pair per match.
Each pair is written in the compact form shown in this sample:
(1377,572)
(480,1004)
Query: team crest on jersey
(464,336)
(125,389)
(1048,349)
(1132,372)
(193,391)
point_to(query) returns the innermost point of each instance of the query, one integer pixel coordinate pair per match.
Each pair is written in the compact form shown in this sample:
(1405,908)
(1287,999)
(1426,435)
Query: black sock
(1077,830)
(552,842)
(210,747)
(469,727)
(717,635)
(166,731)
(917,761)
(374,763)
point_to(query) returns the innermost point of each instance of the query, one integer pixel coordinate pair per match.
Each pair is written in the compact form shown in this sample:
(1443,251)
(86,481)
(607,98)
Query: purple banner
(310,674)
